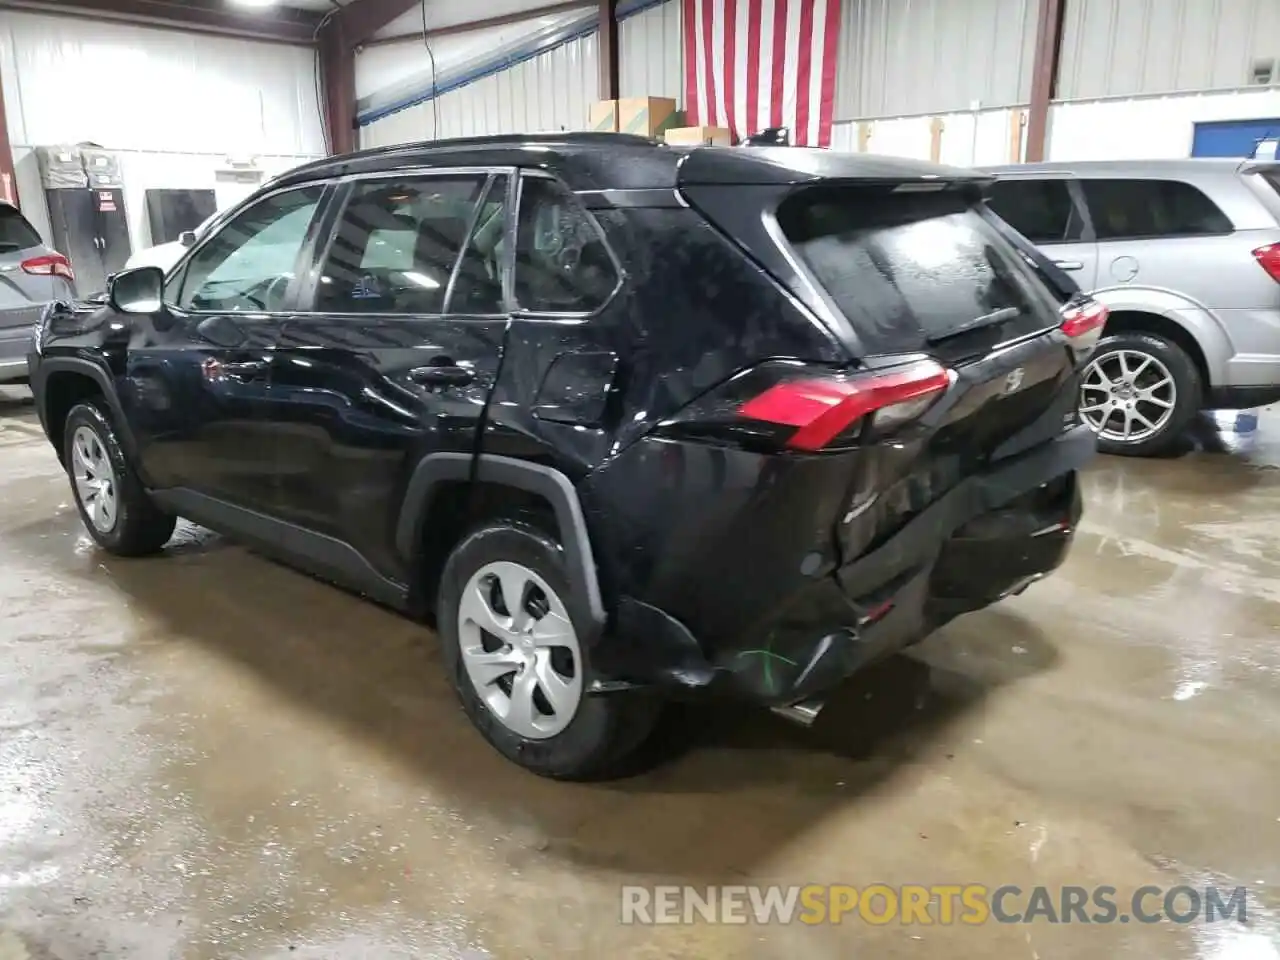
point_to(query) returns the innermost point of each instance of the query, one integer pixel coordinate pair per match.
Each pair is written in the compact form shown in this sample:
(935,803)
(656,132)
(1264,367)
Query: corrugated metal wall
(145,98)
(546,93)
(1111,129)
(1148,126)
(384,67)
(549,92)
(900,57)
(1132,47)
(651,55)
(964,139)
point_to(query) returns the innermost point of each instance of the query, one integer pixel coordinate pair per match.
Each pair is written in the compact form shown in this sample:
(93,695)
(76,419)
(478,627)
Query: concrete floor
(207,755)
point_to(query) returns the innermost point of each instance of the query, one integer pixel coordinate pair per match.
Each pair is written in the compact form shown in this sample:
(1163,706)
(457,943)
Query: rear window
(1273,179)
(15,232)
(912,267)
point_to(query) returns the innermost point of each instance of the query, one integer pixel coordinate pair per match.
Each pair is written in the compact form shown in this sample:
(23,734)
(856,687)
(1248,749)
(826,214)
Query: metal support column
(608,50)
(338,85)
(8,176)
(1044,75)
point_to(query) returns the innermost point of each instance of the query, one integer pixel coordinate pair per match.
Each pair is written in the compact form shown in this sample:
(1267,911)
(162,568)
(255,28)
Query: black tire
(1188,397)
(140,527)
(606,730)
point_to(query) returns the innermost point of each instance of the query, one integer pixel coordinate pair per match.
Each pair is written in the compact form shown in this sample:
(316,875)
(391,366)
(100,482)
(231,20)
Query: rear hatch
(916,272)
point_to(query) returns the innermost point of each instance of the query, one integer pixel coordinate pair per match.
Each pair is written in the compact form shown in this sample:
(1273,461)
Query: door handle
(245,369)
(238,369)
(1068,264)
(443,373)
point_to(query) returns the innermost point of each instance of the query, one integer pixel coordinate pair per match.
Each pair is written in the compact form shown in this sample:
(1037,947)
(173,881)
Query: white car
(165,255)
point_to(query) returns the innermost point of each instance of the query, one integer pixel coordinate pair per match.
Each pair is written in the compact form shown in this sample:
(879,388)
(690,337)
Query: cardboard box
(603,116)
(693,136)
(647,116)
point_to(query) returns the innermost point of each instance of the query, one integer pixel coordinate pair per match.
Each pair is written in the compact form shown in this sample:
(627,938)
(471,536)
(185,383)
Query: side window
(247,265)
(16,232)
(1129,209)
(561,262)
(1040,210)
(477,286)
(396,244)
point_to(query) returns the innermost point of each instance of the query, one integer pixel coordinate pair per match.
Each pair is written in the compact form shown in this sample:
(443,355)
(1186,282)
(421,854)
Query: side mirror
(187,238)
(140,290)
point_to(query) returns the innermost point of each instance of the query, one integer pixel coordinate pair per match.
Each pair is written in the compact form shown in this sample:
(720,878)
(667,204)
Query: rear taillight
(822,409)
(49,265)
(1083,322)
(789,405)
(1268,258)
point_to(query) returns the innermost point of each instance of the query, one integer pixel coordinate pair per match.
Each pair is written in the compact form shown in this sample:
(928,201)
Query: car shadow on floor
(16,401)
(709,805)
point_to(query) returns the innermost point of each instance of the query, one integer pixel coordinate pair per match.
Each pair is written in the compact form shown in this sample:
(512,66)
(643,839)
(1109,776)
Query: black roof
(616,161)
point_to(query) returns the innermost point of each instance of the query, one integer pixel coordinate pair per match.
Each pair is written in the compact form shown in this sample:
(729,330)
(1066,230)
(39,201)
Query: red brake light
(823,408)
(1084,320)
(1268,258)
(49,265)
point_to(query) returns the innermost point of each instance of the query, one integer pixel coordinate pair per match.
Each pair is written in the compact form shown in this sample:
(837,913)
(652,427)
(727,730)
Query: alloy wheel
(1127,396)
(520,649)
(94,479)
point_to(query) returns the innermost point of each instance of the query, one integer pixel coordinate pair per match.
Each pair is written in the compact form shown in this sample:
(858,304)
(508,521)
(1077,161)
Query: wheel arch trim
(85,368)
(546,482)
(1199,323)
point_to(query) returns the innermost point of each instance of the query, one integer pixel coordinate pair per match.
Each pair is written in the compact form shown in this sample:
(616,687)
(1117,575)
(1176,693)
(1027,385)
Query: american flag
(754,64)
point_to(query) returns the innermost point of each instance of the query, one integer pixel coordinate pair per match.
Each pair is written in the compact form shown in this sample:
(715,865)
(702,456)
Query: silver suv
(1186,254)
(31,275)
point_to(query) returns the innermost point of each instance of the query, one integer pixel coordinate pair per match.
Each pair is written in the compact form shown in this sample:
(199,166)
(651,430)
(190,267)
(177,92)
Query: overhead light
(255,3)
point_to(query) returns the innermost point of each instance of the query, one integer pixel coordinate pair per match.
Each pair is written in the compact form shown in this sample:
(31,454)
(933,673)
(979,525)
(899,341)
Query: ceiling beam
(281,24)
(361,19)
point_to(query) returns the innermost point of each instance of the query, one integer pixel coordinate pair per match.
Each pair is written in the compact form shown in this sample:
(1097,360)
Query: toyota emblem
(1013,381)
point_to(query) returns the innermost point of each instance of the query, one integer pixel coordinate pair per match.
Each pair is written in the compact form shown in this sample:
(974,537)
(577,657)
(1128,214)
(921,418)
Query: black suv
(626,421)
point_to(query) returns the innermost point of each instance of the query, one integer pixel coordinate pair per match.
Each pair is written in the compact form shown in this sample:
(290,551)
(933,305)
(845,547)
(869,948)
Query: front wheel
(115,508)
(1138,393)
(513,651)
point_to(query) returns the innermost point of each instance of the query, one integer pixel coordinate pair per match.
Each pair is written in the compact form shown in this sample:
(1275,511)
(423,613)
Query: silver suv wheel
(520,649)
(95,481)
(1127,396)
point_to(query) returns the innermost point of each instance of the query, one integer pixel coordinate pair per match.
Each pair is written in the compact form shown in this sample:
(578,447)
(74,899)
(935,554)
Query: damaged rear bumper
(990,536)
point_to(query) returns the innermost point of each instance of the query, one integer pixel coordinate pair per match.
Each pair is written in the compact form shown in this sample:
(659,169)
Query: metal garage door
(1231,138)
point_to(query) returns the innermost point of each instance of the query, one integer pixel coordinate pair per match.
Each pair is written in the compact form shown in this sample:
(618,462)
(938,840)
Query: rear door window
(15,232)
(1041,210)
(1137,209)
(561,262)
(909,269)
(396,245)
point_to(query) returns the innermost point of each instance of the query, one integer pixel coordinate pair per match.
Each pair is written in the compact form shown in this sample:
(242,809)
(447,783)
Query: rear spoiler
(1263,156)
(1265,149)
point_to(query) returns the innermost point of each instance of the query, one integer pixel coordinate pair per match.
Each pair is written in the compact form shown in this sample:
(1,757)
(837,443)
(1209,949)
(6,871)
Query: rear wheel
(1138,393)
(515,657)
(115,508)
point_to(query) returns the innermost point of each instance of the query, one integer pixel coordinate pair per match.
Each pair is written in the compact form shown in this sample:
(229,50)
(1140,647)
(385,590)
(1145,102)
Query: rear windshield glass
(907,267)
(15,232)
(1273,178)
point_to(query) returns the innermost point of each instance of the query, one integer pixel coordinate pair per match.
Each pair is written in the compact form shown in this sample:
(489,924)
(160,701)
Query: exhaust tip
(1021,585)
(805,713)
